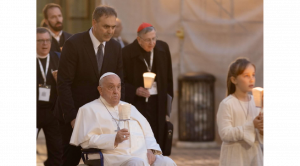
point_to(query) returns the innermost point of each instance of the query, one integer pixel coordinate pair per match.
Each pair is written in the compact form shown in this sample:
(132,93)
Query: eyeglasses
(47,41)
(149,40)
(112,88)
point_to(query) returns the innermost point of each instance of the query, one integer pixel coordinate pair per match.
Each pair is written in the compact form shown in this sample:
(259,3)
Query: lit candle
(148,80)
(258,96)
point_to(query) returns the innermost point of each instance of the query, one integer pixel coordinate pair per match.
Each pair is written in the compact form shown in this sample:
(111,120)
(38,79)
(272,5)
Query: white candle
(148,79)
(124,111)
(258,96)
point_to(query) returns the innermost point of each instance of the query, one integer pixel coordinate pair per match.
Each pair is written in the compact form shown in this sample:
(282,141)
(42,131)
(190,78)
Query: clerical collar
(57,37)
(42,57)
(142,50)
(95,41)
(107,104)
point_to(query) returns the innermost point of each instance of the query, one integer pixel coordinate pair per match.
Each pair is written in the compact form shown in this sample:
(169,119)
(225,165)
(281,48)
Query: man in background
(54,20)
(147,54)
(47,61)
(117,34)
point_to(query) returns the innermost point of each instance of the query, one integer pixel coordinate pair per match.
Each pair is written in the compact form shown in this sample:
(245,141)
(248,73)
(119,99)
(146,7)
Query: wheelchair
(87,162)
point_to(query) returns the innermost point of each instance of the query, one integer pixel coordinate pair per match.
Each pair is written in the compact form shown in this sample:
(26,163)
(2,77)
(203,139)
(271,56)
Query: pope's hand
(121,136)
(143,92)
(151,156)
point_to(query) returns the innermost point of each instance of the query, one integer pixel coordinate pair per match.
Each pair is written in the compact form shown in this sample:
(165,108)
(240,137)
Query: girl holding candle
(240,123)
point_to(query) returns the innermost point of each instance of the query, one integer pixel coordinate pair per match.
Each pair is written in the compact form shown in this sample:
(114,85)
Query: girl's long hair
(236,68)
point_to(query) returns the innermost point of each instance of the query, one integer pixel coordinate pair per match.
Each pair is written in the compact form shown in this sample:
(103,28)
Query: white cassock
(241,141)
(95,128)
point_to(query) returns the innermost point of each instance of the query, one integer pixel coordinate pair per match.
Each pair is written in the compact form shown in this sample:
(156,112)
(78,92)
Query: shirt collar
(95,41)
(56,35)
(42,57)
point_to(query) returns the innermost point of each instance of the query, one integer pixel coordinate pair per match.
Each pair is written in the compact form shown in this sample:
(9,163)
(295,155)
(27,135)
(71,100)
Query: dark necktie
(100,57)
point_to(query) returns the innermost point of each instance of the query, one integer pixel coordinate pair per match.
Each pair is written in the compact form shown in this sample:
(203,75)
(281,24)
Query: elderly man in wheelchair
(127,142)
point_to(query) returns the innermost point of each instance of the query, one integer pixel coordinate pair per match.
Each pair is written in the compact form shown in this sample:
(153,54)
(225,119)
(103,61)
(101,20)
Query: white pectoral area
(124,111)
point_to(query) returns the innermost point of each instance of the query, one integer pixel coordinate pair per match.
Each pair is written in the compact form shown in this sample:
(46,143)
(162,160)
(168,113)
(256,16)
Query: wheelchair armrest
(91,150)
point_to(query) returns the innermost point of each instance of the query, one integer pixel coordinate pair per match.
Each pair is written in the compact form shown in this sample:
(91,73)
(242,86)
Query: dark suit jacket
(55,46)
(42,106)
(78,76)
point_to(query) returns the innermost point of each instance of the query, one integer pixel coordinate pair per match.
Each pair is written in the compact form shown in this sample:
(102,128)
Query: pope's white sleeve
(229,133)
(150,140)
(103,141)
(87,131)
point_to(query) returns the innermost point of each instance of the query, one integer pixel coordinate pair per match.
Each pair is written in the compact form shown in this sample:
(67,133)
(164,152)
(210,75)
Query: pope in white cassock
(123,143)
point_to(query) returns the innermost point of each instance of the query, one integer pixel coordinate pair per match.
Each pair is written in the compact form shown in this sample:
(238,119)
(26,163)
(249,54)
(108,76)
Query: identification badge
(153,89)
(44,92)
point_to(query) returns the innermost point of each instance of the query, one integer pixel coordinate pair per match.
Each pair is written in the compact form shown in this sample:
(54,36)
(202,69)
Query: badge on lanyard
(153,89)
(44,90)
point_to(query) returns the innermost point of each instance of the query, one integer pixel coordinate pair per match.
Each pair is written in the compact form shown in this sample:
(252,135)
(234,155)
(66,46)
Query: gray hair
(145,30)
(103,10)
(43,30)
(101,82)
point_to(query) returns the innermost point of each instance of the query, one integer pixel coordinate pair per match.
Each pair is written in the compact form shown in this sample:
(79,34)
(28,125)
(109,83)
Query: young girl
(239,122)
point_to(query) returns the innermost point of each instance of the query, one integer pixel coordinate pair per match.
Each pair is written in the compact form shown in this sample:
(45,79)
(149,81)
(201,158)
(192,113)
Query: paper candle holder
(258,96)
(124,111)
(148,79)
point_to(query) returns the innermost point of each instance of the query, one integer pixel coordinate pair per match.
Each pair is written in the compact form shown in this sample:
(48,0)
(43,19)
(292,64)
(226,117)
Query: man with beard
(84,59)
(147,54)
(54,20)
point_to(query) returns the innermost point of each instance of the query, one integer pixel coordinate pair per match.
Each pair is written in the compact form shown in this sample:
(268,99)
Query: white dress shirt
(96,42)
(56,37)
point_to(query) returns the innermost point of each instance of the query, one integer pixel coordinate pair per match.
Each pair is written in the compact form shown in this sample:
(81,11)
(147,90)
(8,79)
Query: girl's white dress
(240,146)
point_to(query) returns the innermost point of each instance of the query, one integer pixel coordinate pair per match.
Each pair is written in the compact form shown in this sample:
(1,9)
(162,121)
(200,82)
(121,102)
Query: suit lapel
(91,53)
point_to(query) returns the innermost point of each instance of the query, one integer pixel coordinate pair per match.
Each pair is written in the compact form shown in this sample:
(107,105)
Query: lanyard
(44,73)
(151,62)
